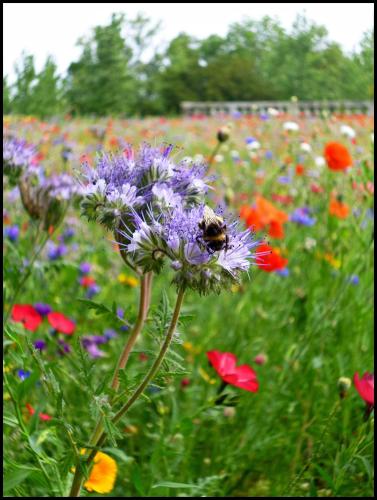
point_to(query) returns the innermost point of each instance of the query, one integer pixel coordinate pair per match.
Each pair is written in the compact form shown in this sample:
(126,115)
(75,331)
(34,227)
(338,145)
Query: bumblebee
(213,228)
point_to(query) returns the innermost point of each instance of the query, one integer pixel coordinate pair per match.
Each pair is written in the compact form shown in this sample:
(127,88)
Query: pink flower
(260,359)
(27,315)
(240,376)
(365,387)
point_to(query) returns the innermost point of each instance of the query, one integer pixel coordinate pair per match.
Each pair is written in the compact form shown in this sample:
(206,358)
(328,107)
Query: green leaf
(170,484)
(10,420)
(119,454)
(99,308)
(136,480)
(14,478)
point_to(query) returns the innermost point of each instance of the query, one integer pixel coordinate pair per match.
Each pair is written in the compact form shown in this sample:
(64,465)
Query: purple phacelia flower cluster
(18,156)
(156,207)
(129,180)
(176,235)
(91,343)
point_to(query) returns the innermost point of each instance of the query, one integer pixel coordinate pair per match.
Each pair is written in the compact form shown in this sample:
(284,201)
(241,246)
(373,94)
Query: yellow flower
(188,346)
(128,280)
(206,377)
(103,474)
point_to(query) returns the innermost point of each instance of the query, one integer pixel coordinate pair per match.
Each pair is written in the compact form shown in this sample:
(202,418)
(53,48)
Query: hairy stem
(76,485)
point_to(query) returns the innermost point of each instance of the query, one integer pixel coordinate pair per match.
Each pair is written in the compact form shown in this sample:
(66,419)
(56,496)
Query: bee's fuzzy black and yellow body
(214,231)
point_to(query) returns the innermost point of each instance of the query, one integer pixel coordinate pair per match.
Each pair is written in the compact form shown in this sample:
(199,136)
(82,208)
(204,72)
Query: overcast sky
(43,28)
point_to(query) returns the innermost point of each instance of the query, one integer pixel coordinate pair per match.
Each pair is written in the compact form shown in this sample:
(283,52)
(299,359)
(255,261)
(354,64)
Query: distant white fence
(309,108)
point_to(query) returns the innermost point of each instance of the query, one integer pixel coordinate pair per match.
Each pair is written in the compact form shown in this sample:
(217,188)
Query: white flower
(310,243)
(253,145)
(273,112)
(304,146)
(348,131)
(291,126)
(219,158)
(320,161)
(199,158)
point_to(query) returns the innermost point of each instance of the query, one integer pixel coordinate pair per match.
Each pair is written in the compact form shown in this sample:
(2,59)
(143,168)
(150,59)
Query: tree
(25,81)
(46,95)
(99,82)
(7,102)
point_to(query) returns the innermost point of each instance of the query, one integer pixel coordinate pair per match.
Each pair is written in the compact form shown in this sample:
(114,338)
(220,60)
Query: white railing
(309,108)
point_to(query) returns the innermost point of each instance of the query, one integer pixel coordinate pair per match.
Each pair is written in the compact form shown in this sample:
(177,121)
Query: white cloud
(43,28)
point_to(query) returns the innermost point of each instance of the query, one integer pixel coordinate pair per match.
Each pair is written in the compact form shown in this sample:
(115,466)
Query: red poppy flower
(300,170)
(271,260)
(87,281)
(337,156)
(365,387)
(62,324)
(27,315)
(240,376)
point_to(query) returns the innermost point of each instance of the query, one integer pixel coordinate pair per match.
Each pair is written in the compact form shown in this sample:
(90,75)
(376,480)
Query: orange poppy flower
(103,474)
(337,156)
(265,214)
(338,208)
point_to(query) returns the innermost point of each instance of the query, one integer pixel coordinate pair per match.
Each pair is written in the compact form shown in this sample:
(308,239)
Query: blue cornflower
(12,233)
(85,268)
(43,309)
(39,344)
(301,216)
(93,290)
(23,374)
(55,252)
(268,155)
(354,279)
(283,272)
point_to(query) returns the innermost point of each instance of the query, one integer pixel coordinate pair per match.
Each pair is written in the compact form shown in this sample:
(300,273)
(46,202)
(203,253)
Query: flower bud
(223,134)
(229,411)
(261,359)
(344,383)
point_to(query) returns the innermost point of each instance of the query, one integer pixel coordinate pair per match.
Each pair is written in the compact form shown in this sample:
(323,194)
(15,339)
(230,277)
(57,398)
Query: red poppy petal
(223,362)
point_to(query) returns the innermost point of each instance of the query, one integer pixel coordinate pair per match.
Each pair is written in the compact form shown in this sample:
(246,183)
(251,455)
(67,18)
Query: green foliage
(255,60)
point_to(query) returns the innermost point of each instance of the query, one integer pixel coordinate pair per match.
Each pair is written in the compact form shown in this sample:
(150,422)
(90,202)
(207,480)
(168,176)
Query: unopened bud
(229,411)
(223,134)
(261,359)
(344,383)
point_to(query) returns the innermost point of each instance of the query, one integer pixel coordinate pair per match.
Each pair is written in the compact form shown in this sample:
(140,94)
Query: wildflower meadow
(188,306)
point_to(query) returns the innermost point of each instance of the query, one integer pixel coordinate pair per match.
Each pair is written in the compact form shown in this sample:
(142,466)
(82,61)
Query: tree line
(255,60)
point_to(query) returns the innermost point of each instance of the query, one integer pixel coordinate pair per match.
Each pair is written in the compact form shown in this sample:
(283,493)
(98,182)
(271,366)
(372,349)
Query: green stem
(157,363)
(25,278)
(213,154)
(77,480)
(26,433)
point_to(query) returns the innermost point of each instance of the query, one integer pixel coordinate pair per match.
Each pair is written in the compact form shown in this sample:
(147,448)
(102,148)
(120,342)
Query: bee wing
(210,216)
